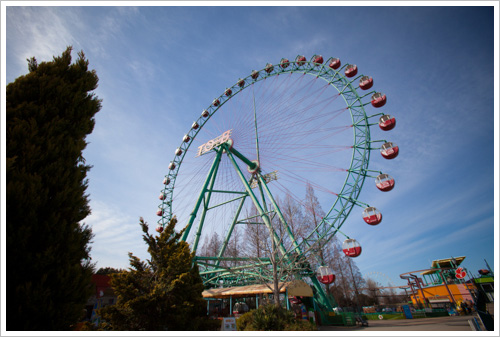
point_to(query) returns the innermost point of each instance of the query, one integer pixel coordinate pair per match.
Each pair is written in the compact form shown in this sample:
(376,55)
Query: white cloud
(116,234)
(36,31)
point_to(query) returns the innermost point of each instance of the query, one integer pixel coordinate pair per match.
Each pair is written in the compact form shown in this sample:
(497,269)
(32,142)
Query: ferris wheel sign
(213,143)
(460,273)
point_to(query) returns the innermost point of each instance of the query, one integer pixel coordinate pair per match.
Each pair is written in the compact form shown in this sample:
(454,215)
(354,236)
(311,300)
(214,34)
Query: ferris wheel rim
(361,149)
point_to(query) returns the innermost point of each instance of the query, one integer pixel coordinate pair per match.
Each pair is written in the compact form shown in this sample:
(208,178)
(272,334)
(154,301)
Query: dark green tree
(109,270)
(163,293)
(50,111)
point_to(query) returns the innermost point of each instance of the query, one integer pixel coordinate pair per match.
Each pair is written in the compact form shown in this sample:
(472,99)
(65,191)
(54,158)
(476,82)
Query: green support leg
(262,182)
(263,214)
(202,193)
(235,220)
(205,205)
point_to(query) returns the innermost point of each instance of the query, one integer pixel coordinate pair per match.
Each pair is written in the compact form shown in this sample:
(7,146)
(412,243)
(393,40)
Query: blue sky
(159,67)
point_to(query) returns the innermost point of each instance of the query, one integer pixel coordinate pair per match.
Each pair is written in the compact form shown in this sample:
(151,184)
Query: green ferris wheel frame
(347,198)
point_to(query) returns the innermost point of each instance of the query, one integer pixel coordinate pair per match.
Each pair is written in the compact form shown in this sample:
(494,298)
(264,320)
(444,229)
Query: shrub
(272,318)
(301,325)
(244,322)
(209,324)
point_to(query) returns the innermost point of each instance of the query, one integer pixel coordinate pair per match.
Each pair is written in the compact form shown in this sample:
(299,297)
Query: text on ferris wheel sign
(213,143)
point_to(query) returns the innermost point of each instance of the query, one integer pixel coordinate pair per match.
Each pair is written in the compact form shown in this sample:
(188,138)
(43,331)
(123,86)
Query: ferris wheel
(381,279)
(267,138)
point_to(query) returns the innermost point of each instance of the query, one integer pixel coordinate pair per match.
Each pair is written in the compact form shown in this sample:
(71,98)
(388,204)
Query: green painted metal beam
(229,258)
(230,231)
(229,201)
(263,184)
(244,159)
(233,192)
(256,202)
(207,196)
(215,164)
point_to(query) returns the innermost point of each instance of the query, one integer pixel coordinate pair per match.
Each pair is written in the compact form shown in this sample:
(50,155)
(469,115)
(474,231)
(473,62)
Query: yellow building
(439,285)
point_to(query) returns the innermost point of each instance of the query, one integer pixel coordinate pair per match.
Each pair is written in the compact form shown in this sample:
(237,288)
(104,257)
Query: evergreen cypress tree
(50,111)
(163,293)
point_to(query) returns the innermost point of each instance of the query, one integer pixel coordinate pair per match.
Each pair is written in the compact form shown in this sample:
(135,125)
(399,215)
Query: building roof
(295,288)
(444,263)
(101,280)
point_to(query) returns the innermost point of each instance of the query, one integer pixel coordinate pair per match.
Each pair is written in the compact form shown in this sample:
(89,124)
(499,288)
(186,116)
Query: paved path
(449,323)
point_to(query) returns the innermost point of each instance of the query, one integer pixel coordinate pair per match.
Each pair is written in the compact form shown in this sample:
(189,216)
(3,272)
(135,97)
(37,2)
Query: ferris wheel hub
(307,116)
(253,169)
(229,144)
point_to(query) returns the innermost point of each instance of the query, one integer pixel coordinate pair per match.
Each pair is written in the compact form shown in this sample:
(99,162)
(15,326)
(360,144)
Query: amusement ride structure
(265,139)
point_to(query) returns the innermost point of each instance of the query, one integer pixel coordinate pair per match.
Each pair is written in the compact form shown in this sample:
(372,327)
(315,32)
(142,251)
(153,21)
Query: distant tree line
(302,217)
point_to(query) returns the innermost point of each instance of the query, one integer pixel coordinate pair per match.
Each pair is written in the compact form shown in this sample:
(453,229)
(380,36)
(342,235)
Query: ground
(449,323)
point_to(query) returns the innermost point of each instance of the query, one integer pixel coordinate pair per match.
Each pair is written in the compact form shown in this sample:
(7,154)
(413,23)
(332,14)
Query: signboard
(267,178)
(460,273)
(213,143)
(228,324)
(407,311)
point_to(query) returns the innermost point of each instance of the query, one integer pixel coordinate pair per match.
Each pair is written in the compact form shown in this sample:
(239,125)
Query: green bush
(301,325)
(244,322)
(374,316)
(272,318)
(209,324)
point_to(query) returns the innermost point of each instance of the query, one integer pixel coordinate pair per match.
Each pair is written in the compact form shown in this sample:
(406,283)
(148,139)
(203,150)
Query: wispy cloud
(44,32)
(116,233)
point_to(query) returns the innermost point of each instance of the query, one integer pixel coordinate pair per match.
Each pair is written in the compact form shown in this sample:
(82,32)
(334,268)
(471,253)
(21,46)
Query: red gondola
(159,229)
(366,82)
(159,212)
(326,275)
(351,248)
(317,59)
(378,99)
(255,74)
(384,182)
(162,196)
(387,122)
(372,216)
(389,150)
(335,63)
(269,67)
(351,70)
(166,181)
(241,83)
(216,102)
(284,63)
(172,165)
(178,152)
(300,59)
(195,126)
(228,92)
(205,113)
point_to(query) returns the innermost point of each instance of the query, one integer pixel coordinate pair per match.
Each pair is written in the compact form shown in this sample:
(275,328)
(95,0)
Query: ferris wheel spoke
(290,122)
(230,231)
(256,129)
(210,177)
(260,209)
